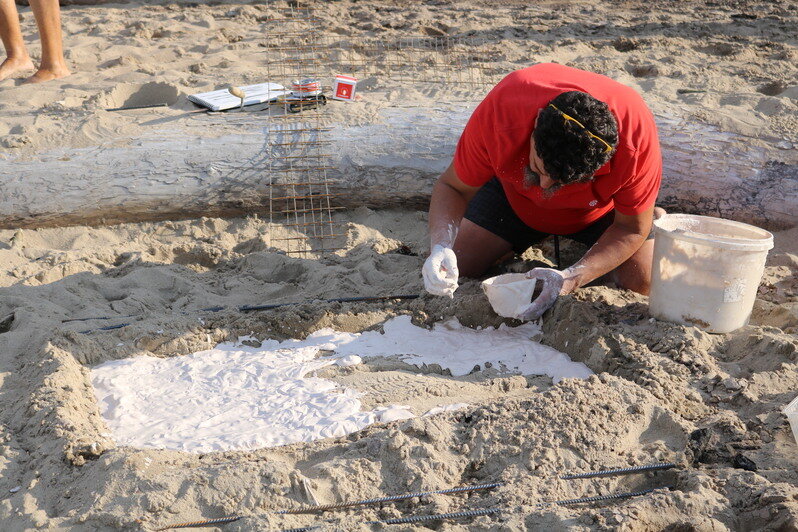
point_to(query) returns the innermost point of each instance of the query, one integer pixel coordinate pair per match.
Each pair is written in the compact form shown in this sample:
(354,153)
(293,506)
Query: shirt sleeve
(640,192)
(471,157)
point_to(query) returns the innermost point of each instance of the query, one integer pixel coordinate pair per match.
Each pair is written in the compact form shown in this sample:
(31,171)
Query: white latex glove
(553,281)
(440,272)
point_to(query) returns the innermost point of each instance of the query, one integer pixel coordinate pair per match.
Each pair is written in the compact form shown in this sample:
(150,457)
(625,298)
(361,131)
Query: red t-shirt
(495,142)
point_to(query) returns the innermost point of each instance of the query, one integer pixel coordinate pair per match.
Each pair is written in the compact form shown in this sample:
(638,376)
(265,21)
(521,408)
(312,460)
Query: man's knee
(639,283)
(635,273)
(477,249)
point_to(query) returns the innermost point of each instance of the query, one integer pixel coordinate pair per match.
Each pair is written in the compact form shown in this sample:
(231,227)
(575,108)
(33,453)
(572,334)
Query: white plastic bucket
(791,411)
(509,294)
(706,271)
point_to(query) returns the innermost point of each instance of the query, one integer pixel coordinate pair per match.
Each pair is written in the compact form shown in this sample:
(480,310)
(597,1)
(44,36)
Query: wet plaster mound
(661,392)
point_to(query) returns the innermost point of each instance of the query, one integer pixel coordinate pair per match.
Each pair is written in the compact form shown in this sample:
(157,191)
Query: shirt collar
(606,169)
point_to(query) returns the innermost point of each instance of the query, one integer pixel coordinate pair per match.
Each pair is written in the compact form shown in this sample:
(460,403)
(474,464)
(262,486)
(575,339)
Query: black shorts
(490,210)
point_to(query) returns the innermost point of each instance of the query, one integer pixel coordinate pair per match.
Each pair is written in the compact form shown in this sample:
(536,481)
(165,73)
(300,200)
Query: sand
(727,64)
(661,392)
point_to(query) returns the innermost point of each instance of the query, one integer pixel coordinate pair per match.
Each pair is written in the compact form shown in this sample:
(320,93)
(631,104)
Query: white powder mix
(456,348)
(238,397)
(229,397)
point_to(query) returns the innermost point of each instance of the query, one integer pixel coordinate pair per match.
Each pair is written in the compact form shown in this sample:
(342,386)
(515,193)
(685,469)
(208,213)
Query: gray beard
(532,179)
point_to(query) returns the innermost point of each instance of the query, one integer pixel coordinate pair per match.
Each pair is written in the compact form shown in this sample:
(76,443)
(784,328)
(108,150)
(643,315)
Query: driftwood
(182,172)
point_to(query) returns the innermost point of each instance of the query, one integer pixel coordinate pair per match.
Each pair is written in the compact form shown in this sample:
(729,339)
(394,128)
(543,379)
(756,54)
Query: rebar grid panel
(450,60)
(299,152)
(455,61)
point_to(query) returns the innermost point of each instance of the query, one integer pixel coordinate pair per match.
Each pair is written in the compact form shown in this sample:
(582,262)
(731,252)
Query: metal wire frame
(298,149)
(299,158)
(456,60)
(461,489)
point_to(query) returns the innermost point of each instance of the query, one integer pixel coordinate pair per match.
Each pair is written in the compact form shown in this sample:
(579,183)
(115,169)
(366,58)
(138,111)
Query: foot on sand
(13,65)
(47,74)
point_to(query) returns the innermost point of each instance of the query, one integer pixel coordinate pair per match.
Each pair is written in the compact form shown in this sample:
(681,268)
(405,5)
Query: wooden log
(177,172)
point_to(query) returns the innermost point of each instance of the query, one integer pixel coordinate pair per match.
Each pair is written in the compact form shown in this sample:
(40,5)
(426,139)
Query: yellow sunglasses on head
(580,124)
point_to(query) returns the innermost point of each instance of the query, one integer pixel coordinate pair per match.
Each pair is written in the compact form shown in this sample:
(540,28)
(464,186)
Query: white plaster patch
(239,397)
(457,348)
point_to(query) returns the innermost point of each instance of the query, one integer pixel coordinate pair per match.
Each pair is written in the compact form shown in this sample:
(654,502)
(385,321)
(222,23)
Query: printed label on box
(344,88)
(344,91)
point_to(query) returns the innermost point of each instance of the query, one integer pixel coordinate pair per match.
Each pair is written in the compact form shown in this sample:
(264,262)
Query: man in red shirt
(551,150)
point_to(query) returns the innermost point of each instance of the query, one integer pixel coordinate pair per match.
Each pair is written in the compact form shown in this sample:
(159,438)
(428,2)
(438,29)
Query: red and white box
(344,88)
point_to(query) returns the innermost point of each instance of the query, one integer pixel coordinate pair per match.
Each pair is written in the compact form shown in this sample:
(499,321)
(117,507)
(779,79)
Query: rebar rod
(490,511)
(621,471)
(282,157)
(370,298)
(411,519)
(435,517)
(600,498)
(108,328)
(306,183)
(312,237)
(206,522)
(421,518)
(306,196)
(132,107)
(316,223)
(303,129)
(303,169)
(250,308)
(391,498)
(293,144)
(98,318)
(289,211)
(326,250)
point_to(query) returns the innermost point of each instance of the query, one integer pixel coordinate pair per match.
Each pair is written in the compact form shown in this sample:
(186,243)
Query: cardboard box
(344,88)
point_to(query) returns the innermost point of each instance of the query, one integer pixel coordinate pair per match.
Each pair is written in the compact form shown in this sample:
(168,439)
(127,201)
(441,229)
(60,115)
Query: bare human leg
(477,249)
(17,59)
(635,273)
(48,19)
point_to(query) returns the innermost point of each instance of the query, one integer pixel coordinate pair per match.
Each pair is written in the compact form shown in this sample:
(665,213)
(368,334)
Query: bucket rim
(497,280)
(740,244)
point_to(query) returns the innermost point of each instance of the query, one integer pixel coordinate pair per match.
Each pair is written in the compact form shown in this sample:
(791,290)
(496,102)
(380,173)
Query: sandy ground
(711,403)
(731,64)
(662,391)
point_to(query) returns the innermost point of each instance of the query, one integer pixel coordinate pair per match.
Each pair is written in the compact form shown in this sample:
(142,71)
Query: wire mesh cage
(299,151)
(297,143)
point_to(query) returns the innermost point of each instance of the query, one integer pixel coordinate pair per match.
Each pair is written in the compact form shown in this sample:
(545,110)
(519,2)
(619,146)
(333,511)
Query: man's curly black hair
(569,153)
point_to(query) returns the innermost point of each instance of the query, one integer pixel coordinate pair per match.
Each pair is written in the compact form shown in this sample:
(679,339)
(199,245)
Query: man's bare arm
(450,197)
(619,242)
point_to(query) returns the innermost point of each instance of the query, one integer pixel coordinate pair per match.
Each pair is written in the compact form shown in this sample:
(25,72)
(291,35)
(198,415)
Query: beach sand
(662,392)
(730,64)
